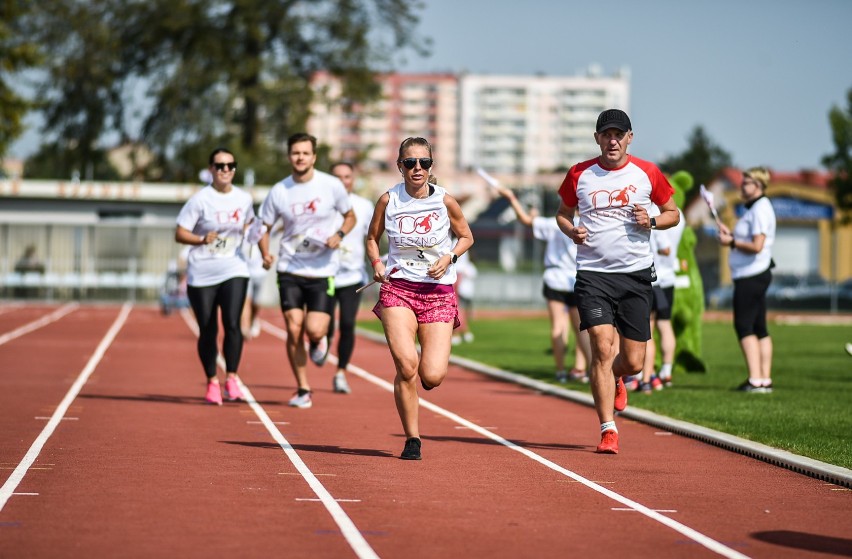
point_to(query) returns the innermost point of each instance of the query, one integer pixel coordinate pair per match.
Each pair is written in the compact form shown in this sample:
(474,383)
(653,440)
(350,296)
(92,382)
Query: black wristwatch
(341,233)
(455,257)
(653,223)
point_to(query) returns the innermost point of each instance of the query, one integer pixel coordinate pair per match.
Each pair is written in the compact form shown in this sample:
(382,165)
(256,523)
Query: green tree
(16,54)
(185,76)
(839,163)
(703,159)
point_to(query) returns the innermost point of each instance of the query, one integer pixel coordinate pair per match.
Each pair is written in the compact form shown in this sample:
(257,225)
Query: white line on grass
(347,527)
(21,470)
(36,324)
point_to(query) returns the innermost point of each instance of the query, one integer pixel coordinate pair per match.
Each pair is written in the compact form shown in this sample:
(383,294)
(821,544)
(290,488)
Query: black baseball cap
(613,118)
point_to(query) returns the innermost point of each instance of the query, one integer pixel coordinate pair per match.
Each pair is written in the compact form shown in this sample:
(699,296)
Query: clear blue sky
(759,75)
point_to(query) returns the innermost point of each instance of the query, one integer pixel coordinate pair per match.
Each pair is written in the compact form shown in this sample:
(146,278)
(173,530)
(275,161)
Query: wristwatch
(455,257)
(653,223)
(340,233)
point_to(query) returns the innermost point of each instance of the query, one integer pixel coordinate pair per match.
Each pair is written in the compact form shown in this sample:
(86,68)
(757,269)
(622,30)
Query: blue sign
(794,208)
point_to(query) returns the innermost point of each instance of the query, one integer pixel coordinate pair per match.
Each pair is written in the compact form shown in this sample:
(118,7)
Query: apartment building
(520,125)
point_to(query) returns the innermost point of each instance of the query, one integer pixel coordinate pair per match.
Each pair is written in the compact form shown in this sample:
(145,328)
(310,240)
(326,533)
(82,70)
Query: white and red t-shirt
(309,211)
(605,199)
(418,231)
(226,213)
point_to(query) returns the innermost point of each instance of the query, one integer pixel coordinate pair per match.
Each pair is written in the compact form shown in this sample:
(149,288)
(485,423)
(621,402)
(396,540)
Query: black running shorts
(299,292)
(620,299)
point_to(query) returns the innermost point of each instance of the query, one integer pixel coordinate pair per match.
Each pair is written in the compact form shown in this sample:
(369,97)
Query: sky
(760,76)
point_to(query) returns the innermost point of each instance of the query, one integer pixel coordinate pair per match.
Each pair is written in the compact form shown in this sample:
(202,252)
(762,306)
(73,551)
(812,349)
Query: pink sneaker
(232,391)
(620,395)
(214,394)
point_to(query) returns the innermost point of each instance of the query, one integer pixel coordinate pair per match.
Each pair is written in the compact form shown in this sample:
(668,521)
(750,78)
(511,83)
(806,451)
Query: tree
(839,163)
(702,158)
(185,76)
(16,54)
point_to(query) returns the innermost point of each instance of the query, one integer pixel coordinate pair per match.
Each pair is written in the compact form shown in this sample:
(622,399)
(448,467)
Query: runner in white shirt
(417,296)
(664,245)
(615,266)
(351,276)
(751,264)
(213,221)
(308,202)
(560,275)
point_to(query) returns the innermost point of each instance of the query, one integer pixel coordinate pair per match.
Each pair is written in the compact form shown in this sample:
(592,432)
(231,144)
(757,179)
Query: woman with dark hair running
(213,222)
(417,296)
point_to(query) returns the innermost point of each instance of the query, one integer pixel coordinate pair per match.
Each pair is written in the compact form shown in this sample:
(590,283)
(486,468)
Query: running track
(107,450)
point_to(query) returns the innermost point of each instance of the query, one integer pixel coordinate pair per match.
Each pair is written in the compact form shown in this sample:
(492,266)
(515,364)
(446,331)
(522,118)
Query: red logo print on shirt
(306,208)
(228,217)
(420,224)
(602,199)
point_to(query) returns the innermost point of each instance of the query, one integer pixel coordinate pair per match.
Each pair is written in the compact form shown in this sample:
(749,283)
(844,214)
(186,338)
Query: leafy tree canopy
(839,163)
(182,77)
(702,158)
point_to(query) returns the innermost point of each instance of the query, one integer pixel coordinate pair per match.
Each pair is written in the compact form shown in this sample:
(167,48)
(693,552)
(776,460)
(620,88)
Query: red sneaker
(620,395)
(609,442)
(214,394)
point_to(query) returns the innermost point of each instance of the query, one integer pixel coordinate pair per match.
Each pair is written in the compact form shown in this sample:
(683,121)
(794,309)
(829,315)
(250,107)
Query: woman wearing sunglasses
(416,295)
(213,222)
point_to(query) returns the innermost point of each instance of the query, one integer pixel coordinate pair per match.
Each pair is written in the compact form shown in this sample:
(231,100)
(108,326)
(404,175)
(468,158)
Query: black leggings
(750,305)
(349,302)
(230,296)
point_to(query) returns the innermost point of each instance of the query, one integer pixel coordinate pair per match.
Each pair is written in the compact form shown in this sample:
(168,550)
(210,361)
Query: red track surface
(139,466)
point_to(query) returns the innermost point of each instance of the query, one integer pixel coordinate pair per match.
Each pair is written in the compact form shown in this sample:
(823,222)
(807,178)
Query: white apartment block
(525,125)
(518,125)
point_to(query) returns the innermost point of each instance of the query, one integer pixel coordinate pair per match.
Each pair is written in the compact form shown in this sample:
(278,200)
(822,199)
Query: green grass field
(809,412)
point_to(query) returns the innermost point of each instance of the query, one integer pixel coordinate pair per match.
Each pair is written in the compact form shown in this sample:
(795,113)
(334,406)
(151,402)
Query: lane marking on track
(274,422)
(315,500)
(621,509)
(63,419)
(27,494)
(690,533)
(298,474)
(30,457)
(40,323)
(347,527)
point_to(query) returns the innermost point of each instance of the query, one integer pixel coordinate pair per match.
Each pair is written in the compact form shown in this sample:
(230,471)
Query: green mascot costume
(688,309)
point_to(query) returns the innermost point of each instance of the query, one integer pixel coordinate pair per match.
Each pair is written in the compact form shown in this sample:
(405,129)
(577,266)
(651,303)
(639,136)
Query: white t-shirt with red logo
(418,231)
(560,254)
(227,213)
(605,199)
(309,212)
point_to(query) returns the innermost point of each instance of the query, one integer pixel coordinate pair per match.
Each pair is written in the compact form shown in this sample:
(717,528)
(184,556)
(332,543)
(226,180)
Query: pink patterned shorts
(430,302)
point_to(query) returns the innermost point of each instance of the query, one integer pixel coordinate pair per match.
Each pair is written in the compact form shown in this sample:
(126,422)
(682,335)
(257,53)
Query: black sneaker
(411,450)
(749,387)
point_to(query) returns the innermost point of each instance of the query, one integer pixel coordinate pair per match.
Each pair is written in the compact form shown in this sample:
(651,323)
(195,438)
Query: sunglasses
(410,162)
(225,166)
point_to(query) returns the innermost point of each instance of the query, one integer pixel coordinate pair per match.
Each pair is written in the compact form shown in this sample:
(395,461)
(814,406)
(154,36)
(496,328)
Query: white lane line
(41,322)
(621,509)
(21,470)
(347,527)
(690,533)
(315,500)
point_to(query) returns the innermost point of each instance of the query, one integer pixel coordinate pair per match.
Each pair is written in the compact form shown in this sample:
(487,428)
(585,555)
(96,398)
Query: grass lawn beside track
(808,413)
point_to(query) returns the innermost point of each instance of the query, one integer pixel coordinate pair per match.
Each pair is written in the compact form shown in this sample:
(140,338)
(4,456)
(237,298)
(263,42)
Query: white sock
(609,426)
(666,370)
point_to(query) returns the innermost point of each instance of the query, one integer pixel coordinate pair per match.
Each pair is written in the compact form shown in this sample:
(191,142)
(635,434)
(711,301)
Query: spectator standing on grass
(615,267)
(416,297)
(350,277)
(560,275)
(308,203)
(751,262)
(213,223)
